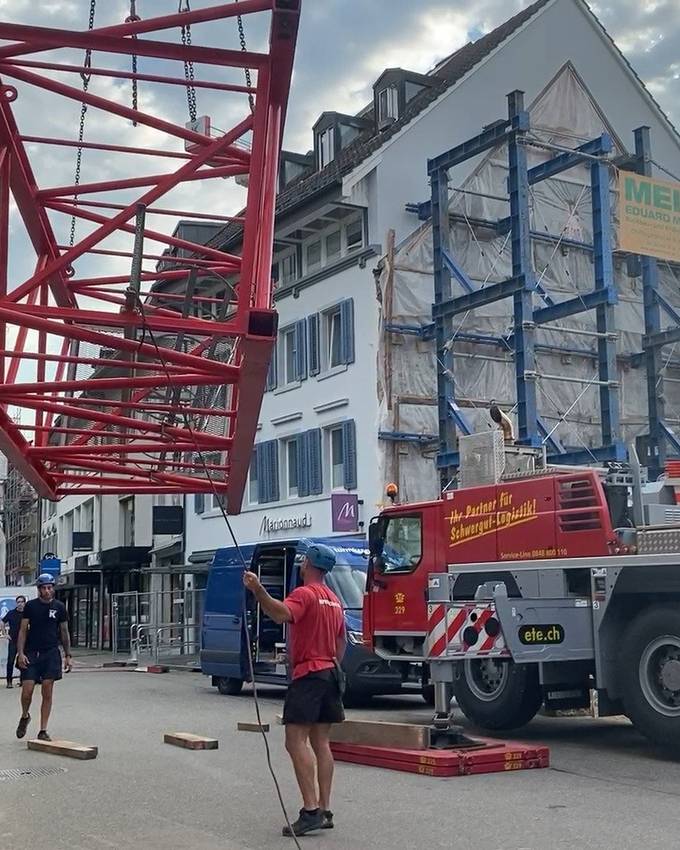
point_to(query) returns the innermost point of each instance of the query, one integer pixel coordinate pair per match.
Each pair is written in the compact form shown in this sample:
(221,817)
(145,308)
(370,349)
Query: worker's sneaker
(43,736)
(9,684)
(327,820)
(23,726)
(307,822)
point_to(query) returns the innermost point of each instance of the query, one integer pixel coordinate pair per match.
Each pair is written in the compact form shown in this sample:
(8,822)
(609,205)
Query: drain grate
(29,772)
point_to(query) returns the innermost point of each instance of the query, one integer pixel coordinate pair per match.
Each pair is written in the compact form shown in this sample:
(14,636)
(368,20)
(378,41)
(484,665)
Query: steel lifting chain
(83,112)
(132,18)
(184,6)
(249,81)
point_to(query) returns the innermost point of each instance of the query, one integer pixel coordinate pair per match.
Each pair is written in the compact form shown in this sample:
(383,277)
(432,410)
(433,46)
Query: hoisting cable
(249,81)
(185,6)
(83,112)
(132,18)
(219,501)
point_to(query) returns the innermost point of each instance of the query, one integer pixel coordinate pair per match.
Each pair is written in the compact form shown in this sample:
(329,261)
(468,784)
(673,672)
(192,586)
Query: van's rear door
(223,647)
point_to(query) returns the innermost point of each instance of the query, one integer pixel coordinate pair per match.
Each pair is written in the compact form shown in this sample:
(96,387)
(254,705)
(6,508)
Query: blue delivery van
(224,654)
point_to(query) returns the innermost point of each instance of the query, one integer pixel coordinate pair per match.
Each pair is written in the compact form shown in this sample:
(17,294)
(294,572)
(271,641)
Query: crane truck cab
(552,586)
(224,652)
(562,514)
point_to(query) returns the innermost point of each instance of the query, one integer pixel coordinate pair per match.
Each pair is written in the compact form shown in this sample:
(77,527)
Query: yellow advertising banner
(649,216)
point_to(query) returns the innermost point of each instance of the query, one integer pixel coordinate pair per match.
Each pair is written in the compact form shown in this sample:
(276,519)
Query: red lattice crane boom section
(117,376)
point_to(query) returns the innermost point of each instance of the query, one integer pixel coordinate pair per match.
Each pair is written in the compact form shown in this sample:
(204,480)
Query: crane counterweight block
(116,375)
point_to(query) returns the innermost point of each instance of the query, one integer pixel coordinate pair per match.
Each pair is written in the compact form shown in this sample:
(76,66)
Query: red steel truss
(119,376)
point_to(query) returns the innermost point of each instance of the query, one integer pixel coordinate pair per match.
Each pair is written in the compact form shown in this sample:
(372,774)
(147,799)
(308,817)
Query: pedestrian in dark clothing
(314,698)
(43,628)
(12,622)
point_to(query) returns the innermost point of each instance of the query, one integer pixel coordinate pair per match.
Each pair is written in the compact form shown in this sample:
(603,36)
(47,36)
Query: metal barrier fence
(159,626)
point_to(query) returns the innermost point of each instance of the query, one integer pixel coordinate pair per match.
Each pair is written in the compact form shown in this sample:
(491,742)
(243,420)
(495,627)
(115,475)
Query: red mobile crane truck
(548,586)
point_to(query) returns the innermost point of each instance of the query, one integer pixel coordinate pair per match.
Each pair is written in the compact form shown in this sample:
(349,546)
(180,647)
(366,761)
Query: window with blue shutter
(349,452)
(347,330)
(302,464)
(199,503)
(272,373)
(301,350)
(315,461)
(313,344)
(267,464)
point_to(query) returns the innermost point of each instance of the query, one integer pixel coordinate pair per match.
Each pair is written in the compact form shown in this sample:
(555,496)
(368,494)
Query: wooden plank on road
(190,741)
(373,733)
(63,748)
(252,727)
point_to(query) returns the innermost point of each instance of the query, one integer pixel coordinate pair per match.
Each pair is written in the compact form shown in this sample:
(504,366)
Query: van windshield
(348,584)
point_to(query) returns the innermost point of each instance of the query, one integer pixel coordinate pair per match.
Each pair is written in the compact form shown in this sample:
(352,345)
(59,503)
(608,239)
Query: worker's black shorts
(43,666)
(314,698)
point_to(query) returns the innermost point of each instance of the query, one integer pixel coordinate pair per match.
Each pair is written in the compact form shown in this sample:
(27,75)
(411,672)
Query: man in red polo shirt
(314,697)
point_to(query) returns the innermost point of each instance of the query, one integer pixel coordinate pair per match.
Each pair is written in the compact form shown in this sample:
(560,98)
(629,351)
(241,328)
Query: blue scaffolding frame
(522,285)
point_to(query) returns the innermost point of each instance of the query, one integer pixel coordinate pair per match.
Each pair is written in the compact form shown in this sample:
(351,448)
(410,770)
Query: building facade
(318,462)
(21,529)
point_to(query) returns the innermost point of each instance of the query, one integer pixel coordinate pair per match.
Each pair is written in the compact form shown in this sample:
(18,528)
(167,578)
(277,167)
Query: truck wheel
(649,666)
(497,694)
(229,687)
(355,699)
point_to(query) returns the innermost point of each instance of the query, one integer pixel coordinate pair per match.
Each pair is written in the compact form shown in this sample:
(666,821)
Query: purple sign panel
(345,509)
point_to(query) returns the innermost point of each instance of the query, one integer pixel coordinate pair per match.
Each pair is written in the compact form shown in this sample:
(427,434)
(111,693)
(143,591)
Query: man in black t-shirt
(43,627)
(12,621)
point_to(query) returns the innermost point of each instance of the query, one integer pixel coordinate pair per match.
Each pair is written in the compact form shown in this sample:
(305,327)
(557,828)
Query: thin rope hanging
(83,112)
(132,18)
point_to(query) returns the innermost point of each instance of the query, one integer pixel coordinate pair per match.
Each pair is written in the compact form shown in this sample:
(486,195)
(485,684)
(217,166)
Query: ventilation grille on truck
(579,506)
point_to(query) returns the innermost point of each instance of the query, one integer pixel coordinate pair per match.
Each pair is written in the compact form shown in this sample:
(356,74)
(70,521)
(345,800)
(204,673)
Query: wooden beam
(189,741)
(63,748)
(252,727)
(372,733)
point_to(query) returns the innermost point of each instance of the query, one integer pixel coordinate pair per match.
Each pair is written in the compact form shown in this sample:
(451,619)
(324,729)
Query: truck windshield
(403,544)
(348,584)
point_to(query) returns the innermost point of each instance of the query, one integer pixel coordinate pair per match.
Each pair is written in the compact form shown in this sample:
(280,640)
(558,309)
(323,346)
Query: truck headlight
(356,638)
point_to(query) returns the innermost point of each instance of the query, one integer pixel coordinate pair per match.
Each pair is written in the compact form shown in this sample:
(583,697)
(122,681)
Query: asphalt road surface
(606,788)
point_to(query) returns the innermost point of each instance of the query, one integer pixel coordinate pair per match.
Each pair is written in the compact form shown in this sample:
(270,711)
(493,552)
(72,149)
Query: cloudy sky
(417,34)
(343,46)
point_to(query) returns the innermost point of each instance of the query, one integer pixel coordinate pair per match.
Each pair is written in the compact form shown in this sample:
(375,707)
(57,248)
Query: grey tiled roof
(447,73)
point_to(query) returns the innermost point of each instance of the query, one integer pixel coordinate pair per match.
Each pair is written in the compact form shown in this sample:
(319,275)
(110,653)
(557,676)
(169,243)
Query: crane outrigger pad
(485,756)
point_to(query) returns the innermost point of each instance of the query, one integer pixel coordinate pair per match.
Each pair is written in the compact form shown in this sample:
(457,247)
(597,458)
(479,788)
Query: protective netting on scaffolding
(135,282)
(563,115)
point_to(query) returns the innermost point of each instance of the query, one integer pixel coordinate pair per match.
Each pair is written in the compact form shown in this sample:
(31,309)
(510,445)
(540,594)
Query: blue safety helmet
(43,579)
(320,556)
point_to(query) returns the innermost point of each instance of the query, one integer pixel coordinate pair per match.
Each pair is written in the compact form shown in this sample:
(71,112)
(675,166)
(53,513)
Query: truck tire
(229,687)
(497,695)
(649,670)
(355,699)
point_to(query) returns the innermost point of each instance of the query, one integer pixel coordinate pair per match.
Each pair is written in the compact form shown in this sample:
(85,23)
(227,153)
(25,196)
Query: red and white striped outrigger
(464,630)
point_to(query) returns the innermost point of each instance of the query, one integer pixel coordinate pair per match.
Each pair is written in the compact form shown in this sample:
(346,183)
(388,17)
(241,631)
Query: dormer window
(333,132)
(292,166)
(326,146)
(393,91)
(388,104)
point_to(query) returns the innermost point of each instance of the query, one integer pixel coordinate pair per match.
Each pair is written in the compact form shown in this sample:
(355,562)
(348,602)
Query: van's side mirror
(375,540)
